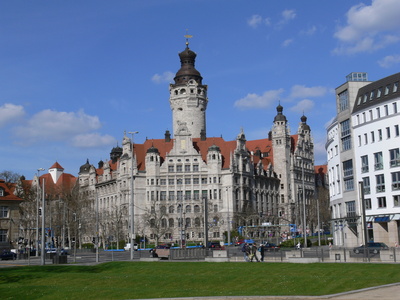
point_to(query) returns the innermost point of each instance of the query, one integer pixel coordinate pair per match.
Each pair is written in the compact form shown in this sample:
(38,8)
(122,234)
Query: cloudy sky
(74,75)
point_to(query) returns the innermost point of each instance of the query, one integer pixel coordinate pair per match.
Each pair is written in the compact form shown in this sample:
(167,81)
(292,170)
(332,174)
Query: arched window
(188,222)
(188,209)
(171,222)
(171,209)
(163,210)
(164,223)
(196,209)
(197,222)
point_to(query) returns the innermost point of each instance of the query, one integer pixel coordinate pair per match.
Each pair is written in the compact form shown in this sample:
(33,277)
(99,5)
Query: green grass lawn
(132,280)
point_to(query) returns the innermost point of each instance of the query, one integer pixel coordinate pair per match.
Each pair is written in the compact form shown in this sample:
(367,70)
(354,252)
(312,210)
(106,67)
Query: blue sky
(75,74)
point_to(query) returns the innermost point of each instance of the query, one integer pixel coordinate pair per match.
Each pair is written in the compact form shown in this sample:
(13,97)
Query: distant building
(190,184)
(363,146)
(9,216)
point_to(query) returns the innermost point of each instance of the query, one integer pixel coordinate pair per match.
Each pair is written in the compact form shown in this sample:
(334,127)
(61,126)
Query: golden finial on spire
(187,36)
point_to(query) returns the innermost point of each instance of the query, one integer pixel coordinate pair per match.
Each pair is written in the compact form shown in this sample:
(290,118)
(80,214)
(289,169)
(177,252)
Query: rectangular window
(380,134)
(395,108)
(343,100)
(371,96)
(196,180)
(179,195)
(368,204)
(195,168)
(345,128)
(171,195)
(396,130)
(3,211)
(379,93)
(188,195)
(187,168)
(395,181)
(372,137)
(380,183)
(163,181)
(364,164)
(179,168)
(3,235)
(394,157)
(386,110)
(378,161)
(395,86)
(171,169)
(381,202)
(388,132)
(187,181)
(171,181)
(387,89)
(365,138)
(348,175)
(163,195)
(378,112)
(396,200)
(366,185)
(351,209)
(196,195)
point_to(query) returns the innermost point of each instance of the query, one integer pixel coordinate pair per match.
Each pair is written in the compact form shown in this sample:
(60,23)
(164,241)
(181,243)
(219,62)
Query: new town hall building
(188,187)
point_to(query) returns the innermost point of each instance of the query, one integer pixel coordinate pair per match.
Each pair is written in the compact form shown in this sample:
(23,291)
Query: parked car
(7,255)
(271,246)
(372,248)
(128,247)
(215,245)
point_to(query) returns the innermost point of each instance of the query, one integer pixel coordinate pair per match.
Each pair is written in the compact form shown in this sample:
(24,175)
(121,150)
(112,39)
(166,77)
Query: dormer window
(1,192)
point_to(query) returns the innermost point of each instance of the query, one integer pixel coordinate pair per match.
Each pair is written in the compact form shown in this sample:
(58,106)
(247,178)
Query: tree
(10,178)
(156,219)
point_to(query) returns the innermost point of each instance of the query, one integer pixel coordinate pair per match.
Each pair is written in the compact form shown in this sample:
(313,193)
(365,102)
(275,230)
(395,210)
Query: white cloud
(389,61)
(92,140)
(287,42)
(256,20)
(310,31)
(301,91)
(51,125)
(369,27)
(287,15)
(259,101)
(164,77)
(303,106)
(10,113)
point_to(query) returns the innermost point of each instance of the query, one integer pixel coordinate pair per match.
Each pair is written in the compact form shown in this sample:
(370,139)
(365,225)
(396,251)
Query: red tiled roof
(8,192)
(226,147)
(56,165)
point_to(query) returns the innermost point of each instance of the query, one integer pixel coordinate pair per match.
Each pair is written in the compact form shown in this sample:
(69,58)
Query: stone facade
(195,188)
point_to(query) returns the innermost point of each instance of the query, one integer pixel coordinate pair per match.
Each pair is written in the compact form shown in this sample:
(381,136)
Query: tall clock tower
(188,97)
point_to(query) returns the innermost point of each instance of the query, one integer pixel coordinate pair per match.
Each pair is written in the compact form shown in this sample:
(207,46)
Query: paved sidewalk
(385,292)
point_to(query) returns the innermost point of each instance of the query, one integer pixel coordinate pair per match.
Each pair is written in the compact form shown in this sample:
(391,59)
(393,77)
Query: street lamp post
(304,201)
(37,211)
(42,250)
(131,204)
(228,216)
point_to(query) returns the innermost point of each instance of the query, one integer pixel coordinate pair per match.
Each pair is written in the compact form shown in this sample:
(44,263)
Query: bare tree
(157,220)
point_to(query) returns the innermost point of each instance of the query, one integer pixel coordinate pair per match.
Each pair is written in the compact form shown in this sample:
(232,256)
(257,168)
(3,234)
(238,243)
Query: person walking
(261,249)
(245,250)
(253,251)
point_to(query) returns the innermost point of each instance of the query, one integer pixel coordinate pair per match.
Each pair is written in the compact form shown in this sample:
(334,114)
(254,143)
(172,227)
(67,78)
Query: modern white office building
(363,146)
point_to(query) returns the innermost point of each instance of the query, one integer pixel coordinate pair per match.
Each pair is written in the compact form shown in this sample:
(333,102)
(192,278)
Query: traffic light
(40,211)
(94,240)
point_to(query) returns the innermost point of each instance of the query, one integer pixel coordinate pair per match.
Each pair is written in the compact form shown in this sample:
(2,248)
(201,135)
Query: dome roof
(280,116)
(84,169)
(153,149)
(187,70)
(214,148)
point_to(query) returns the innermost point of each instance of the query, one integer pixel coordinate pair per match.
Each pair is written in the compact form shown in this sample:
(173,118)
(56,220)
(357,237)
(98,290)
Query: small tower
(188,96)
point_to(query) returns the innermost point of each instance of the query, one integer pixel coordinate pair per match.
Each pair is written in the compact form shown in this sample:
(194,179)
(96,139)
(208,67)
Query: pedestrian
(245,250)
(261,249)
(253,251)
(298,246)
